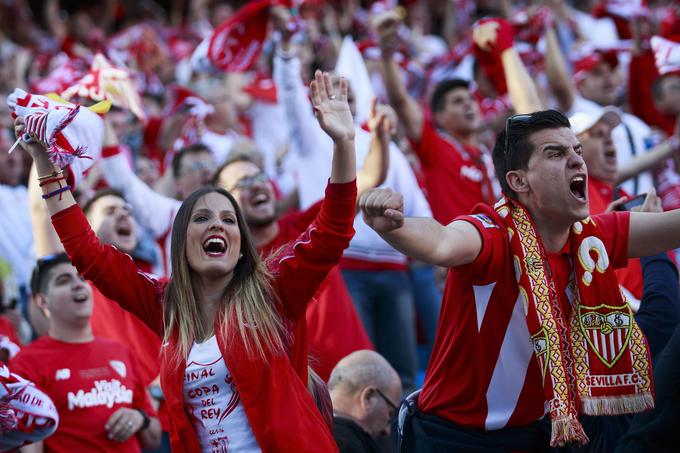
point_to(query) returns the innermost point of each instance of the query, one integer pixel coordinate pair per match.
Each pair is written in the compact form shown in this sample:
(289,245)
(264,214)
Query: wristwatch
(145,416)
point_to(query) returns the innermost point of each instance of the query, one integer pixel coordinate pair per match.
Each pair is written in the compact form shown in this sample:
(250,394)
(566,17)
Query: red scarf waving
(595,359)
(237,42)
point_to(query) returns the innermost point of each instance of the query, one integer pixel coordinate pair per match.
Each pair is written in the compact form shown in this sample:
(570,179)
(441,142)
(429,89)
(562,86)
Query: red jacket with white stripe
(281,412)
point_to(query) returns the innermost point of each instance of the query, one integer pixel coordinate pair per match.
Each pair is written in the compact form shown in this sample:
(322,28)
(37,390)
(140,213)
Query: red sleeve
(112,272)
(429,145)
(300,220)
(305,263)
(492,258)
(614,227)
(642,73)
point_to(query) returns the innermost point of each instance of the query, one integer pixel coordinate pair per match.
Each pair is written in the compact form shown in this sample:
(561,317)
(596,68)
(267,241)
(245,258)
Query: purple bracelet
(56,192)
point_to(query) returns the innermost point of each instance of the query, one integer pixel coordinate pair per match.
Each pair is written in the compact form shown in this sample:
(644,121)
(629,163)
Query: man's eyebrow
(62,274)
(560,147)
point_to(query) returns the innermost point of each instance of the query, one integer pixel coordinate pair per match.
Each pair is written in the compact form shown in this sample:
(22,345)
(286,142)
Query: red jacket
(281,412)
(334,328)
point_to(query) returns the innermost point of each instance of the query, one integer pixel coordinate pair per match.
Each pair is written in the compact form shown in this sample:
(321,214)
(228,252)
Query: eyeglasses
(519,118)
(249,181)
(199,165)
(390,404)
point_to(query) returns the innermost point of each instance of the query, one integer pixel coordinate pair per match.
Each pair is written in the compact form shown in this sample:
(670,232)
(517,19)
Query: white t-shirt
(16,235)
(212,399)
(220,144)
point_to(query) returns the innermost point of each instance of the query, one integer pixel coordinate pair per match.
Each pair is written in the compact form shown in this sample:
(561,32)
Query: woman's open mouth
(215,246)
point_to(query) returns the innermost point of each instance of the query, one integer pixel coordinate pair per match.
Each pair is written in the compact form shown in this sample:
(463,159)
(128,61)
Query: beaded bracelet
(59,191)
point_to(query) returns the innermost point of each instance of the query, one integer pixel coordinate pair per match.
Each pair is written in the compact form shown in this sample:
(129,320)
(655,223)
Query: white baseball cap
(583,121)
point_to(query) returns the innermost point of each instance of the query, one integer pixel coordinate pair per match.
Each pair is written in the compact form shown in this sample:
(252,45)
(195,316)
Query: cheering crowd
(364,226)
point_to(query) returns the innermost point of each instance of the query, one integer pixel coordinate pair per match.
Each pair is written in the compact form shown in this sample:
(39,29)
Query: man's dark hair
(519,129)
(191,149)
(438,98)
(232,159)
(100,194)
(42,271)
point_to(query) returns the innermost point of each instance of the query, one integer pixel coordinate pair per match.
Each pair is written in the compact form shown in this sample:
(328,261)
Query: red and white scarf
(594,358)
(73,135)
(26,414)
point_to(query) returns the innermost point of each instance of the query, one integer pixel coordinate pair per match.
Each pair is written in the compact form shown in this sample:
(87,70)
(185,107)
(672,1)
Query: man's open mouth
(260,199)
(577,186)
(124,230)
(80,298)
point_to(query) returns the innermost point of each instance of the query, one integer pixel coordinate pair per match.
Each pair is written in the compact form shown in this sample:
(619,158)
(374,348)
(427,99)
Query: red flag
(237,42)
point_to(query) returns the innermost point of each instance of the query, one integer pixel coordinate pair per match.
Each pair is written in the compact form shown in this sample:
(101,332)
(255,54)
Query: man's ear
(41,303)
(517,180)
(367,397)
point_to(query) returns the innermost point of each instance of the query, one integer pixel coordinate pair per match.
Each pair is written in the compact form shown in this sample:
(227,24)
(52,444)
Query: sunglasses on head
(519,118)
(40,265)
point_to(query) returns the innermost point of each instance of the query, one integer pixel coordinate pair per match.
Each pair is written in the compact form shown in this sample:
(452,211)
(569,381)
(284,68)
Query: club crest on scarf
(607,330)
(541,344)
(593,357)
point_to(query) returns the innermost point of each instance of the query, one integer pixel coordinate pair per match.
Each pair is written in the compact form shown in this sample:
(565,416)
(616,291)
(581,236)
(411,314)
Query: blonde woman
(234,355)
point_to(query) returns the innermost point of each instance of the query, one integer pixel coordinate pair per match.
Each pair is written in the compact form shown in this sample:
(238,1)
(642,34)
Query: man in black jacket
(365,391)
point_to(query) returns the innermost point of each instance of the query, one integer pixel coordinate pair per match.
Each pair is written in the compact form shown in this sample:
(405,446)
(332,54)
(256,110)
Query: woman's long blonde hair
(249,301)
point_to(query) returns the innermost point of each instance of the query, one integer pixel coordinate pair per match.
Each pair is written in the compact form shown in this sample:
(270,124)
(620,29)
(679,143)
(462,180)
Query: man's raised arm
(407,108)
(421,238)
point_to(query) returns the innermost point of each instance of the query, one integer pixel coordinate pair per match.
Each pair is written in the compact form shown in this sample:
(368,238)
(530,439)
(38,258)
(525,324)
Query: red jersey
(483,372)
(457,177)
(334,328)
(87,382)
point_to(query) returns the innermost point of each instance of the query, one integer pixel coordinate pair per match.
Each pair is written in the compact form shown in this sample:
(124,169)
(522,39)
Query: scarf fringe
(617,405)
(567,429)
(58,155)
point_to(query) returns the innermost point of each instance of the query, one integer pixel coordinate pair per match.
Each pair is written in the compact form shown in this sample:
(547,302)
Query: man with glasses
(528,326)
(365,391)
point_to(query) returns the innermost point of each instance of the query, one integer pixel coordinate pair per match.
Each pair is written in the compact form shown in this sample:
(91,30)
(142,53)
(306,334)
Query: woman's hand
(331,107)
(34,148)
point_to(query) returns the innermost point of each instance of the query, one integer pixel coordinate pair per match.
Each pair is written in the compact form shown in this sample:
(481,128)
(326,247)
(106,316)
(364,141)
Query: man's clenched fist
(382,209)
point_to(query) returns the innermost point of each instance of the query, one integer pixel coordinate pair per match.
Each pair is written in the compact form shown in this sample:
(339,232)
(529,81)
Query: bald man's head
(365,387)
